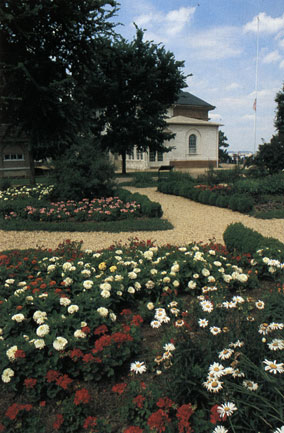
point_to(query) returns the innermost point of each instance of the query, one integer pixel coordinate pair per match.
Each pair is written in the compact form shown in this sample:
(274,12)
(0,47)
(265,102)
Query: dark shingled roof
(186,98)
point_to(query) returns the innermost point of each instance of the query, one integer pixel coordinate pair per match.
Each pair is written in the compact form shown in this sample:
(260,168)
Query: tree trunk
(32,168)
(123,163)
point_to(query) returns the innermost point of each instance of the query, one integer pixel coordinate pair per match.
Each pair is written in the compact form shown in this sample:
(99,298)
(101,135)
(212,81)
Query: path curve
(192,222)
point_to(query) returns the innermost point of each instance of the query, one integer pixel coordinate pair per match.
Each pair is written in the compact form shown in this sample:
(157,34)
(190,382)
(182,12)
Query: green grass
(127,225)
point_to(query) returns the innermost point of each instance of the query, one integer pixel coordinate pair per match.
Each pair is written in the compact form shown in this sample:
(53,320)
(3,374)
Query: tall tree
(48,49)
(223,146)
(143,81)
(279,118)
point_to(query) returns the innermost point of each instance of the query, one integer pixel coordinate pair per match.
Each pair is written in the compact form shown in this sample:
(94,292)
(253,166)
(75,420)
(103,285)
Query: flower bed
(141,339)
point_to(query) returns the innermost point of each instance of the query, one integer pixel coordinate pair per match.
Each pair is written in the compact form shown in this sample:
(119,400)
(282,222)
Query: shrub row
(235,202)
(149,208)
(273,184)
(241,239)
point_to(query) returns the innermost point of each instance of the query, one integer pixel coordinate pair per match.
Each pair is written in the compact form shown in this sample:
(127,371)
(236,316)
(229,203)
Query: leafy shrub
(213,198)
(148,208)
(245,204)
(84,171)
(242,239)
(204,197)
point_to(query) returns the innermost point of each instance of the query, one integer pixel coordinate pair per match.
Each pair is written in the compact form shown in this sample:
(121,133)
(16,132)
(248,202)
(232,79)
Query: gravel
(192,221)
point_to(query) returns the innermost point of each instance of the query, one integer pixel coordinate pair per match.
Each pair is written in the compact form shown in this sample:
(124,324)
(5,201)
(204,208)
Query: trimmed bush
(149,208)
(242,239)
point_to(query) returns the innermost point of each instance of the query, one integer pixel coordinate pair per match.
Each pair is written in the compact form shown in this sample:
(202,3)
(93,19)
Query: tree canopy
(48,49)
(143,80)
(223,146)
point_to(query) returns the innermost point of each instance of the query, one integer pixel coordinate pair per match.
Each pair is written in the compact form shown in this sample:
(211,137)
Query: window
(152,156)
(160,156)
(192,143)
(131,155)
(139,154)
(13,157)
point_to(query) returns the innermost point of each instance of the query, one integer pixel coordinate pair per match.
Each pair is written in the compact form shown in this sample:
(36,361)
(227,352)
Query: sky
(218,40)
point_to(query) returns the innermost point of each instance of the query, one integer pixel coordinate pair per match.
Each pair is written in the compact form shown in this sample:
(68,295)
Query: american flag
(254,105)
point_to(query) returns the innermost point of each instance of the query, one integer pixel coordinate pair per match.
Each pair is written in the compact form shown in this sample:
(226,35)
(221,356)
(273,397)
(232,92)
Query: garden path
(192,221)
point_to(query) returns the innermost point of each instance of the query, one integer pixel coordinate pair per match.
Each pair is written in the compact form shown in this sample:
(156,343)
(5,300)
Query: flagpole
(256,83)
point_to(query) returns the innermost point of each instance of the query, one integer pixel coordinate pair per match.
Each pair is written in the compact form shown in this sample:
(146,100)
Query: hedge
(241,239)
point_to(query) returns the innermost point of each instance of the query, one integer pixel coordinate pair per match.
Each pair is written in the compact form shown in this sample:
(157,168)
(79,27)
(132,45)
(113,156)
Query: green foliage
(84,171)
(214,177)
(271,155)
(148,208)
(223,145)
(242,239)
(240,203)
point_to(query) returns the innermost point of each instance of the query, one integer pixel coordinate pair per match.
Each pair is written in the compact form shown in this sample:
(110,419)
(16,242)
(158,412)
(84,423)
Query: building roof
(186,98)
(182,120)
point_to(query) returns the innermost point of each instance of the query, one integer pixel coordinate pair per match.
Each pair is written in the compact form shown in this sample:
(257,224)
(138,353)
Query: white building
(195,143)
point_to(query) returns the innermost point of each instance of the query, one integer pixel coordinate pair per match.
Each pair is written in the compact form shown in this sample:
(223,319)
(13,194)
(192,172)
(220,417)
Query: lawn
(141,339)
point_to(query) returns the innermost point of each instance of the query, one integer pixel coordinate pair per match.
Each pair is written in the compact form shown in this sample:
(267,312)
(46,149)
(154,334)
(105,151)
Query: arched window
(192,143)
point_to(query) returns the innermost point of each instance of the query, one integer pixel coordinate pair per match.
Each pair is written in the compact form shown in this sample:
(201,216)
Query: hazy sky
(217,39)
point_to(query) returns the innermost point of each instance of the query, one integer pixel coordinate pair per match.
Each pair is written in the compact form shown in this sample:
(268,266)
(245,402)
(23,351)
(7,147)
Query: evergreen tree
(223,145)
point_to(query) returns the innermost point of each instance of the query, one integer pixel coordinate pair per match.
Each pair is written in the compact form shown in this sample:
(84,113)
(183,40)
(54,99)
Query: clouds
(267,24)
(164,25)
(272,57)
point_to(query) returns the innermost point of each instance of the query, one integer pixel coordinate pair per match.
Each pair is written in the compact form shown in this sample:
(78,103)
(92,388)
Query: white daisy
(203,323)
(276,344)
(169,347)
(220,429)
(280,430)
(216,369)
(206,306)
(138,367)
(273,367)
(215,330)
(155,324)
(225,354)
(252,386)
(213,385)
(226,409)
(259,305)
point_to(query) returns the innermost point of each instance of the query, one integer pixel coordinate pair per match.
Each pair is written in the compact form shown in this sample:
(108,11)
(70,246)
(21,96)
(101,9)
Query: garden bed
(141,339)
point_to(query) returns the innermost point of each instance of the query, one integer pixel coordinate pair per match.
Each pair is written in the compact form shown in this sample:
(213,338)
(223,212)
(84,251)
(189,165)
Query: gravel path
(192,222)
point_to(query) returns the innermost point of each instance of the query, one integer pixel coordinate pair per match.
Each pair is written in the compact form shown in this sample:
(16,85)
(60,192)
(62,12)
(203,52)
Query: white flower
(79,334)
(150,284)
(175,267)
(203,323)
(213,385)
(105,286)
(252,386)
(280,430)
(227,278)
(112,317)
(211,279)
(195,276)
(105,294)
(7,374)
(11,353)
(60,343)
(215,330)
(150,306)
(102,311)
(225,354)
(148,255)
(137,286)
(259,305)
(242,278)
(220,429)
(64,301)
(155,324)
(67,281)
(39,317)
(131,290)
(18,317)
(191,284)
(226,409)
(51,268)
(205,272)
(273,367)
(88,284)
(216,369)
(138,367)
(276,344)
(73,309)
(42,330)
(66,266)
(206,306)
(169,347)
(39,343)
(86,272)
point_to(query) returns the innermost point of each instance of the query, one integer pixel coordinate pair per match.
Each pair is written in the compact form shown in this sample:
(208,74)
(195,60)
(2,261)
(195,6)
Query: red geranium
(20,354)
(101,330)
(30,382)
(215,416)
(91,421)
(119,388)
(133,429)
(82,396)
(158,420)
(58,422)
(139,401)
(63,381)
(165,403)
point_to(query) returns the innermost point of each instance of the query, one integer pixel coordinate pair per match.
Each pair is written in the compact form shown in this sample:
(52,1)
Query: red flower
(42,403)
(2,427)
(158,421)
(30,382)
(19,307)
(13,411)
(63,381)
(139,401)
(86,329)
(183,414)
(101,330)
(58,422)
(91,421)
(81,396)
(88,358)
(137,320)
(52,375)
(215,416)
(119,388)
(165,403)
(126,312)
(119,337)
(76,353)
(102,342)
(20,354)
(133,429)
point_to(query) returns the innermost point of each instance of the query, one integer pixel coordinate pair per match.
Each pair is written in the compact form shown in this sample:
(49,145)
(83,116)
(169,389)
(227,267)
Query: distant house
(14,155)
(196,141)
